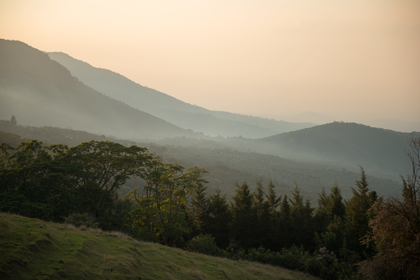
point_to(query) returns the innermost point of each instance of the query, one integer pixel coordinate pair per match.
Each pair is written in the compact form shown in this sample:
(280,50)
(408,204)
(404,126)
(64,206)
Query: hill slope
(40,91)
(379,151)
(182,114)
(34,249)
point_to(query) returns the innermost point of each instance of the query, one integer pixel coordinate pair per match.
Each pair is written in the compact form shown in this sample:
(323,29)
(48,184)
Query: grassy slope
(34,249)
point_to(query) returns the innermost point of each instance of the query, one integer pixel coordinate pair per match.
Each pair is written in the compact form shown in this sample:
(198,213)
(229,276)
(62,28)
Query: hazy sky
(353,60)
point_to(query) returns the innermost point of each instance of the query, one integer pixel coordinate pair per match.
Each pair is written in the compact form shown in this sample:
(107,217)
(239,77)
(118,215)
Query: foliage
(396,230)
(163,209)
(81,220)
(357,215)
(171,206)
(296,258)
(204,244)
(217,219)
(50,182)
(243,216)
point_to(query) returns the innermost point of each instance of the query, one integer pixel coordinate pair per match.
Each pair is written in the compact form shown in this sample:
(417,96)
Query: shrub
(79,220)
(204,244)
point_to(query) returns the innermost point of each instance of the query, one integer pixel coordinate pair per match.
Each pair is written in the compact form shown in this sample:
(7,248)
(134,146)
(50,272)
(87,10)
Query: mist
(355,62)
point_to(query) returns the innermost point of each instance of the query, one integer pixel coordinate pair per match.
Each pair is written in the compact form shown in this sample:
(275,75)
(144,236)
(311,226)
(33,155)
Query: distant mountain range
(41,92)
(187,116)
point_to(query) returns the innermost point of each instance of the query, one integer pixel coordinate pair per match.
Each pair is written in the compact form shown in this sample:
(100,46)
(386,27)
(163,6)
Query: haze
(348,60)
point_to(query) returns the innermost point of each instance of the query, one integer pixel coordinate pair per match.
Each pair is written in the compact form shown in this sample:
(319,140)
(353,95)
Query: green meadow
(35,249)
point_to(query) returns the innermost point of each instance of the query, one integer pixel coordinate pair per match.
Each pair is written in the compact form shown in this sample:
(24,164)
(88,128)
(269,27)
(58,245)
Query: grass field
(34,249)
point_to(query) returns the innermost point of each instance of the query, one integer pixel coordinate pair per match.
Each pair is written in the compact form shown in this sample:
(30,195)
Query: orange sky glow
(350,60)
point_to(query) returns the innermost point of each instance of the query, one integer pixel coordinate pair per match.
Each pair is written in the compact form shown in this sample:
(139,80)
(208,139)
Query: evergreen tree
(262,219)
(273,231)
(357,216)
(284,239)
(301,220)
(217,218)
(244,216)
(199,206)
(329,207)
(272,199)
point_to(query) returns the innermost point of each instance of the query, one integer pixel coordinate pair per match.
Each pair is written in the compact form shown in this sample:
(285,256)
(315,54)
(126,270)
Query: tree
(243,216)
(396,230)
(273,231)
(329,219)
(30,183)
(357,215)
(162,213)
(272,198)
(263,222)
(13,120)
(284,239)
(51,182)
(199,206)
(217,219)
(301,219)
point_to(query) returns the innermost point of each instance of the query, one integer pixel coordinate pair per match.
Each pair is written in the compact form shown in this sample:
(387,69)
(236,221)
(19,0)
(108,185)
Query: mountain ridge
(31,83)
(381,150)
(212,123)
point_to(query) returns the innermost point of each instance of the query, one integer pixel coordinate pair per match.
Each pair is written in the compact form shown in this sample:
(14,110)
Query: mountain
(187,116)
(379,151)
(41,92)
(395,124)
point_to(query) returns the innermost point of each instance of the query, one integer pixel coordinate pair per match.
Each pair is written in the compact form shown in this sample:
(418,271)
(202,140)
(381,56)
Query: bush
(204,244)
(79,220)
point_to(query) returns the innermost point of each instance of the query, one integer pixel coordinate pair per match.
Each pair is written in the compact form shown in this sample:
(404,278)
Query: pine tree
(262,218)
(329,207)
(273,231)
(329,220)
(217,219)
(357,216)
(272,198)
(284,239)
(243,216)
(199,206)
(301,220)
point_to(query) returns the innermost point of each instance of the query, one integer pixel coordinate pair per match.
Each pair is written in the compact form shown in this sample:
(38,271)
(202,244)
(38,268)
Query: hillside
(40,91)
(34,249)
(381,152)
(166,107)
(226,165)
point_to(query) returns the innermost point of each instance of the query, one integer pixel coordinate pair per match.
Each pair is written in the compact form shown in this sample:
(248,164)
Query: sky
(353,60)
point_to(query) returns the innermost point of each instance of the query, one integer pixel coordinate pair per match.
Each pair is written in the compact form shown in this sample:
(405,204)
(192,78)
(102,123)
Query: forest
(364,237)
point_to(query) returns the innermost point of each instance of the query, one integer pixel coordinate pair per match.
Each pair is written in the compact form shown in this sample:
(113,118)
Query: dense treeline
(80,184)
